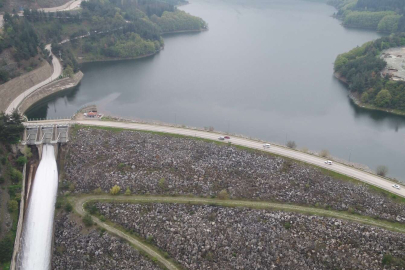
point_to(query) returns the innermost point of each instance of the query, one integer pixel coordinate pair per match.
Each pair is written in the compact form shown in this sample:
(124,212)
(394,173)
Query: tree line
(20,39)
(361,68)
(384,16)
(115,28)
(19,35)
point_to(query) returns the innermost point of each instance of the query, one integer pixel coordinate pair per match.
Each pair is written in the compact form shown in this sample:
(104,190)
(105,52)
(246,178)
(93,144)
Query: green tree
(128,192)
(383,99)
(6,249)
(364,97)
(68,72)
(21,160)
(68,207)
(389,24)
(11,127)
(87,220)
(13,206)
(115,190)
(15,175)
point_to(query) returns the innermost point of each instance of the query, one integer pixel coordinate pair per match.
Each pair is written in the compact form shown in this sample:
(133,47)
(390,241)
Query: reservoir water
(264,69)
(38,226)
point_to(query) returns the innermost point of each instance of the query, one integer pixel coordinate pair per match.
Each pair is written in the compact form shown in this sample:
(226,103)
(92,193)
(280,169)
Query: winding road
(57,68)
(71,5)
(80,201)
(79,208)
(57,71)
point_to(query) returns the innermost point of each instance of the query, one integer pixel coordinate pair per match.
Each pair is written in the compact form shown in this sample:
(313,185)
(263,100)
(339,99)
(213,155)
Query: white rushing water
(37,234)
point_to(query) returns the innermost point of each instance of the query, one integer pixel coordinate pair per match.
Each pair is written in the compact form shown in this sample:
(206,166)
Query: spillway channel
(38,227)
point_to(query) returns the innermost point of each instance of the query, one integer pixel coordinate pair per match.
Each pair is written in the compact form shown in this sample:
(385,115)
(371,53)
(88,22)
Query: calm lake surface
(264,69)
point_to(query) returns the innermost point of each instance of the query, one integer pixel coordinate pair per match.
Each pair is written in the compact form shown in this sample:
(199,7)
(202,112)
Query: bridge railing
(49,119)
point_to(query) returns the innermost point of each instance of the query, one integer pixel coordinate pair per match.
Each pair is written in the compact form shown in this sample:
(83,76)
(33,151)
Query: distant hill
(384,16)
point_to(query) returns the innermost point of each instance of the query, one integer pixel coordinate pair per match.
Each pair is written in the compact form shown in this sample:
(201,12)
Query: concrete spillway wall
(20,222)
(48,90)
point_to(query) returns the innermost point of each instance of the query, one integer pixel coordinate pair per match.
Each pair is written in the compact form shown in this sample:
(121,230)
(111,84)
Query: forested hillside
(384,16)
(11,163)
(19,48)
(114,28)
(361,69)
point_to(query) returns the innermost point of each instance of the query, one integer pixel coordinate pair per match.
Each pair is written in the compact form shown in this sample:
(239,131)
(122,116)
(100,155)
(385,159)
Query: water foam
(37,234)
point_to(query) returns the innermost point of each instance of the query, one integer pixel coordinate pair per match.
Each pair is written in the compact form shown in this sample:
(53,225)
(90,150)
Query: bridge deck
(40,134)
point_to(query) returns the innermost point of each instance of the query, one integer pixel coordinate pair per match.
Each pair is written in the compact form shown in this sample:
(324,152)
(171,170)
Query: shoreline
(359,104)
(184,31)
(117,59)
(49,90)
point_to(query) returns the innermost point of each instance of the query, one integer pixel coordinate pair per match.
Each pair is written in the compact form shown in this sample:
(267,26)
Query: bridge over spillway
(45,134)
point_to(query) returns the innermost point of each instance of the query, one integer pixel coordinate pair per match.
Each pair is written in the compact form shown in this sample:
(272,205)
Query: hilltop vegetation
(101,30)
(384,16)
(114,29)
(178,21)
(361,68)
(10,183)
(19,48)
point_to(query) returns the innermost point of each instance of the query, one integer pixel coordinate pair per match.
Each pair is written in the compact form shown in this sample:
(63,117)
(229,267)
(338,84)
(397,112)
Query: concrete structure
(49,89)
(40,134)
(46,134)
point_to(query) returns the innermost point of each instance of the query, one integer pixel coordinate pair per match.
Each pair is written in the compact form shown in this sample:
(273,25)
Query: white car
(221,138)
(396,186)
(328,162)
(267,145)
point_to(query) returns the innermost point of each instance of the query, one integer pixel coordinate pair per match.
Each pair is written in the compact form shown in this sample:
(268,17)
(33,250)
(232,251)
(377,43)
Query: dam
(36,241)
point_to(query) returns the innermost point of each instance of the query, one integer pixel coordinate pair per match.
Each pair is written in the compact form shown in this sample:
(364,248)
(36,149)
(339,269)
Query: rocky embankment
(160,164)
(75,248)
(50,89)
(211,237)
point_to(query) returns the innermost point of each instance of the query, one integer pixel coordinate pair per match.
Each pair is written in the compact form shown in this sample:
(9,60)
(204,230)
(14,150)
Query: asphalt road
(57,71)
(279,150)
(71,5)
(57,68)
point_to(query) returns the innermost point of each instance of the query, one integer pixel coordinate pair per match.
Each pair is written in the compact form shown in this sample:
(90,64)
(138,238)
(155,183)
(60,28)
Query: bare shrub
(382,170)
(223,195)
(291,144)
(324,153)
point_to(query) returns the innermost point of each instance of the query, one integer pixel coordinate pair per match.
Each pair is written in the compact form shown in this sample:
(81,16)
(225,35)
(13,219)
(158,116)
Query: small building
(92,114)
